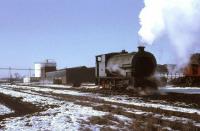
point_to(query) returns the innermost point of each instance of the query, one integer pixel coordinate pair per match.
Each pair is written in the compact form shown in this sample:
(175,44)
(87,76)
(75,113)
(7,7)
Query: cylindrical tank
(143,63)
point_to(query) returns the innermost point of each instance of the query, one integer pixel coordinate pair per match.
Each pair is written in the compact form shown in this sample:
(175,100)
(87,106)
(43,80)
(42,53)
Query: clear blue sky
(71,32)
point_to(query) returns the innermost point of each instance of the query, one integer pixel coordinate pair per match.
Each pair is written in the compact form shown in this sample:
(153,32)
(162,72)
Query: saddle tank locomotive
(122,69)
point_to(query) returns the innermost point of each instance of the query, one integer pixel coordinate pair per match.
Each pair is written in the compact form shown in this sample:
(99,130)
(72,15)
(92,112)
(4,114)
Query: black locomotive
(123,69)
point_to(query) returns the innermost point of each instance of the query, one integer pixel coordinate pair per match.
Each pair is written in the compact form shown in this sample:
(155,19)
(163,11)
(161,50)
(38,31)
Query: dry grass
(153,124)
(98,120)
(105,122)
(146,123)
(109,108)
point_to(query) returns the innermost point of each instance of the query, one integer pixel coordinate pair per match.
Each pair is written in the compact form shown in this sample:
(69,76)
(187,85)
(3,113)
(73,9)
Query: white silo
(43,67)
(38,69)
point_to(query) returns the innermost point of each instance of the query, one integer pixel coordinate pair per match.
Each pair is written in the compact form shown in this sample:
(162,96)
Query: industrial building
(46,72)
(42,68)
(72,76)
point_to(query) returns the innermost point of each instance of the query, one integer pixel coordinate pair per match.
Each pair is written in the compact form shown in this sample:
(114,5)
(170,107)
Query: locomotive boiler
(121,69)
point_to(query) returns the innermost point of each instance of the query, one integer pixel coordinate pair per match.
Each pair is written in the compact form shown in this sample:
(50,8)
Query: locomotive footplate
(114,82)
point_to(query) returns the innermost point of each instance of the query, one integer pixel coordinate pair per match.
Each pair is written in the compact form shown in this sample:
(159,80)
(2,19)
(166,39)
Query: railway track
(177,99)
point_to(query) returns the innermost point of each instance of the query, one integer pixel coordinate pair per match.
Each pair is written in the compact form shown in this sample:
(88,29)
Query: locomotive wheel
(146,84)
(106,84)
(76,84)
(189,81)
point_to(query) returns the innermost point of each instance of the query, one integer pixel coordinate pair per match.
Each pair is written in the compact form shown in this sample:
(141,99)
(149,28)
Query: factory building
(72,76)
(42,68)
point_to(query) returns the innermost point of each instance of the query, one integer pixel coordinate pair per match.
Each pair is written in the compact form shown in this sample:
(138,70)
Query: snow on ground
(5,110)
(184,90)
(84,85)
(49,90)
(161,116)
(54,85)
(89,86)
(136,102)
(32,98)
(134,111)
(71,114)
(117,99)
(64,116)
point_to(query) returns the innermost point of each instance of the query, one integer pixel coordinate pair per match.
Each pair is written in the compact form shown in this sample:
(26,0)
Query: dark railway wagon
(193,68)
(191,73)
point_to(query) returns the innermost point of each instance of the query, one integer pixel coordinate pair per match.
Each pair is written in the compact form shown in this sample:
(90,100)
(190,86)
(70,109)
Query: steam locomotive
(123,69)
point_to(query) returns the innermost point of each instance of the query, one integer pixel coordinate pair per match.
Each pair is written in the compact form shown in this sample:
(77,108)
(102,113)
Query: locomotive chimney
(124,51)
(141,48)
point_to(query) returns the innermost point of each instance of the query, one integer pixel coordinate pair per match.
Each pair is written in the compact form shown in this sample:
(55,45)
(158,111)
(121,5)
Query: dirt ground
(116,115)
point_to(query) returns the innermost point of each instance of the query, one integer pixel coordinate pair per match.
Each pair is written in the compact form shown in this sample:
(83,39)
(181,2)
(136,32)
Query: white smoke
(179,20)
(115,68)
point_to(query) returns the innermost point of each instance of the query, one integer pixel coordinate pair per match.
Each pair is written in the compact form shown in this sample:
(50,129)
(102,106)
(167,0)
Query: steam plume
(179,20)
(115,68)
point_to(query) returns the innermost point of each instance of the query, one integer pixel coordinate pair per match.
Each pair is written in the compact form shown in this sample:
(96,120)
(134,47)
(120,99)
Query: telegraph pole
(30,72)
(10,74)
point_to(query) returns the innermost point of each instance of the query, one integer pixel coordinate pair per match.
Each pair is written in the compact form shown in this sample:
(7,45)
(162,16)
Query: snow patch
(64,116)
(184,90)
(136,102)
(5,110)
